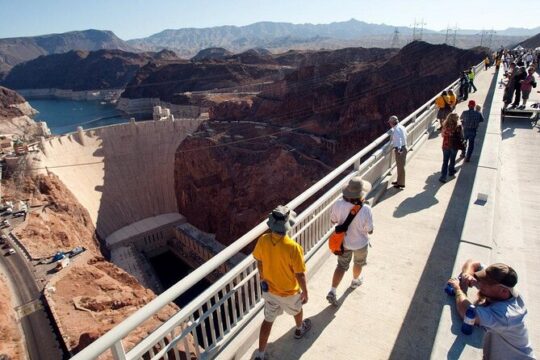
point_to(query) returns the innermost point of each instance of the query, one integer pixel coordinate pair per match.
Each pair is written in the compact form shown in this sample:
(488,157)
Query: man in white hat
(357,235)
(399,146)
(281,265)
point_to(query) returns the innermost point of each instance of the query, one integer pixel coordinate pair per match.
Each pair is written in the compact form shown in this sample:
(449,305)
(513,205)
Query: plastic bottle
(468,321)
(264,286)
(449,289)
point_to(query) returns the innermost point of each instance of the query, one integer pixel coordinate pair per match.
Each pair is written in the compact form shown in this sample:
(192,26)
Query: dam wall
(120,173)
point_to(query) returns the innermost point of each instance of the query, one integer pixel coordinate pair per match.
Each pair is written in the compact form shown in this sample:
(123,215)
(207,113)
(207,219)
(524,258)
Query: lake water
(63,116)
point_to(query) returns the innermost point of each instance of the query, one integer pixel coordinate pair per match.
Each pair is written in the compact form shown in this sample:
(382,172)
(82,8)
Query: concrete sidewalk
(396,313)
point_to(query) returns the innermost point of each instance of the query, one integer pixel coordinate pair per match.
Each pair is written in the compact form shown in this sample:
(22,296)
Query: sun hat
(281,219)
(356,188)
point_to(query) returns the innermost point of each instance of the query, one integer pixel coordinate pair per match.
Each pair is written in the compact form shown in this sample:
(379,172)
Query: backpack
(335,243)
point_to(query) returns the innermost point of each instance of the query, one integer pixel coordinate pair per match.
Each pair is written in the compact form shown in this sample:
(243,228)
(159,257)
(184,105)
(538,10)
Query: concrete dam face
(122,173)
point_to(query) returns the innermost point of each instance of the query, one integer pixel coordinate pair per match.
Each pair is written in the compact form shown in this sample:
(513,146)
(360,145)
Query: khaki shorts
(360,258)
(274,305)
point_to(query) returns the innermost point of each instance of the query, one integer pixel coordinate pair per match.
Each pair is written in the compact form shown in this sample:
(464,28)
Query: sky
(131,19)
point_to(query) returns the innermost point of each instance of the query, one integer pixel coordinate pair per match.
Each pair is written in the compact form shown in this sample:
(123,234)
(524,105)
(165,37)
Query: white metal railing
(214,317)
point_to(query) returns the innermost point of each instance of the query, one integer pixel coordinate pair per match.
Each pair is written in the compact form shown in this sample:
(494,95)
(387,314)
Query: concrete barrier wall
(122,173)
(144,106)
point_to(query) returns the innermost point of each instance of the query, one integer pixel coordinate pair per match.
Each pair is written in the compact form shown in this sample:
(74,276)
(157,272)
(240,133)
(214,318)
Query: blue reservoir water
(63,116)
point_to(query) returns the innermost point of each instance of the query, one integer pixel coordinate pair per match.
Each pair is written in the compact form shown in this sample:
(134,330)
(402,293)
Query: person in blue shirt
(500,309)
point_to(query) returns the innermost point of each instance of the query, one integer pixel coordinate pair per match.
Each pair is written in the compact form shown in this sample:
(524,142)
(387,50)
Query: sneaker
(299,333)
(332,299)
(443,180)
(356,283)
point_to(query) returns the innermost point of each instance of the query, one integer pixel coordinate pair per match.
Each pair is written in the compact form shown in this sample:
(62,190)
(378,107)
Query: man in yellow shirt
(281,265)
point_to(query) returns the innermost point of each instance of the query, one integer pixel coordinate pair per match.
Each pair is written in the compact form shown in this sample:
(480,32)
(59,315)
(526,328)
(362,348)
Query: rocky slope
(15,114)
(307,124)
(81,70)
(169,81)
(17,50)
(532,42)
(91,296)
(11,344)
(60,224)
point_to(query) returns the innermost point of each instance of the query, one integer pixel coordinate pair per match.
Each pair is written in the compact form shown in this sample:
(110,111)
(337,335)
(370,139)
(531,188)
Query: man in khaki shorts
(356,237)
(280,261)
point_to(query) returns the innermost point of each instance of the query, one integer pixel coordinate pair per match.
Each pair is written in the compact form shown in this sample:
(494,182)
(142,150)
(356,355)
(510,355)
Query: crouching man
(499,309)
(280,261)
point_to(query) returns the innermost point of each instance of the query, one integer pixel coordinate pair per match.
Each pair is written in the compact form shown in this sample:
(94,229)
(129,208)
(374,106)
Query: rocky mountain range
(20,49)
(268,148)
(280,37)
(81,70)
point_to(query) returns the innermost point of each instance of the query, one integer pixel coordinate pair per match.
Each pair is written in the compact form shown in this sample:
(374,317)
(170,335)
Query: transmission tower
(482,38)
(418,29)
(395,39)
(455,36)
(490,38)
(446,37)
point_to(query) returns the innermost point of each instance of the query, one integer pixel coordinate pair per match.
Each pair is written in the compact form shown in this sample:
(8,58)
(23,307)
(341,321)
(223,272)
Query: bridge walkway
(396,313)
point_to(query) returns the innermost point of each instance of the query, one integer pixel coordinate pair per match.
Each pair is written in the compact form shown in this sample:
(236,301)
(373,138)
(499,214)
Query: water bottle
(449,290)
(468,321)
(264,286)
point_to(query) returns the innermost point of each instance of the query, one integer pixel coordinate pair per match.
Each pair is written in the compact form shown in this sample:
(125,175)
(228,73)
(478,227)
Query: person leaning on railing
(280,261)
(499,309)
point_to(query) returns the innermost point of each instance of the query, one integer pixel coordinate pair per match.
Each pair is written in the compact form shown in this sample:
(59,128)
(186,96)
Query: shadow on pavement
(424,313)
(420,201)
(284,348)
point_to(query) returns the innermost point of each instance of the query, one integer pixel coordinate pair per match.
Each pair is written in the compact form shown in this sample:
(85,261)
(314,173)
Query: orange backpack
(335,243)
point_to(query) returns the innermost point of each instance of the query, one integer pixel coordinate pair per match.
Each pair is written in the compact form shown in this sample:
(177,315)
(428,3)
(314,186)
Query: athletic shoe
(299,333)
(356,283)
(332,299)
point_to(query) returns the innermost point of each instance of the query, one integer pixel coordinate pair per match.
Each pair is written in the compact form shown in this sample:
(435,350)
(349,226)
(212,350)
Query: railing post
(118,351)
(357,165)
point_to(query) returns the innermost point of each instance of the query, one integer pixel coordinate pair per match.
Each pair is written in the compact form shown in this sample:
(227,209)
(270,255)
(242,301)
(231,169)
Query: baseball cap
(499,274)
(472,103)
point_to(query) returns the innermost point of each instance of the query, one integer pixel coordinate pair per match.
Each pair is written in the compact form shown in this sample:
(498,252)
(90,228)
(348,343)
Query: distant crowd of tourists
(519,80)
(500,309)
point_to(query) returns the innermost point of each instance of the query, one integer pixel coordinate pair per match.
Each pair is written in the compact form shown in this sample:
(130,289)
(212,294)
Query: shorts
(525,94)
(360,258)
(274,305)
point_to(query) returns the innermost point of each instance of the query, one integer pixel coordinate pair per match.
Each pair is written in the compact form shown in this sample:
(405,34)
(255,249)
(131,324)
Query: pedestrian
(470,120)
(443,104)
(521,74)
(497,64)
(500,310)
(463,86)
(471,81)
(280,261)
(399,146)
(486,62)
(509,85)
(356,240)
(526,86)
(452,99)
(452,135)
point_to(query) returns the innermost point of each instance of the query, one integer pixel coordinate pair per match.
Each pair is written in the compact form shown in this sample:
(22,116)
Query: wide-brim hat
(356,188)
(499,274)
(281,219)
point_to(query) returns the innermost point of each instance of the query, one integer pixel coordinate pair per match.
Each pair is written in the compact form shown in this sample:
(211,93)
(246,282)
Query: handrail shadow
(426,306)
